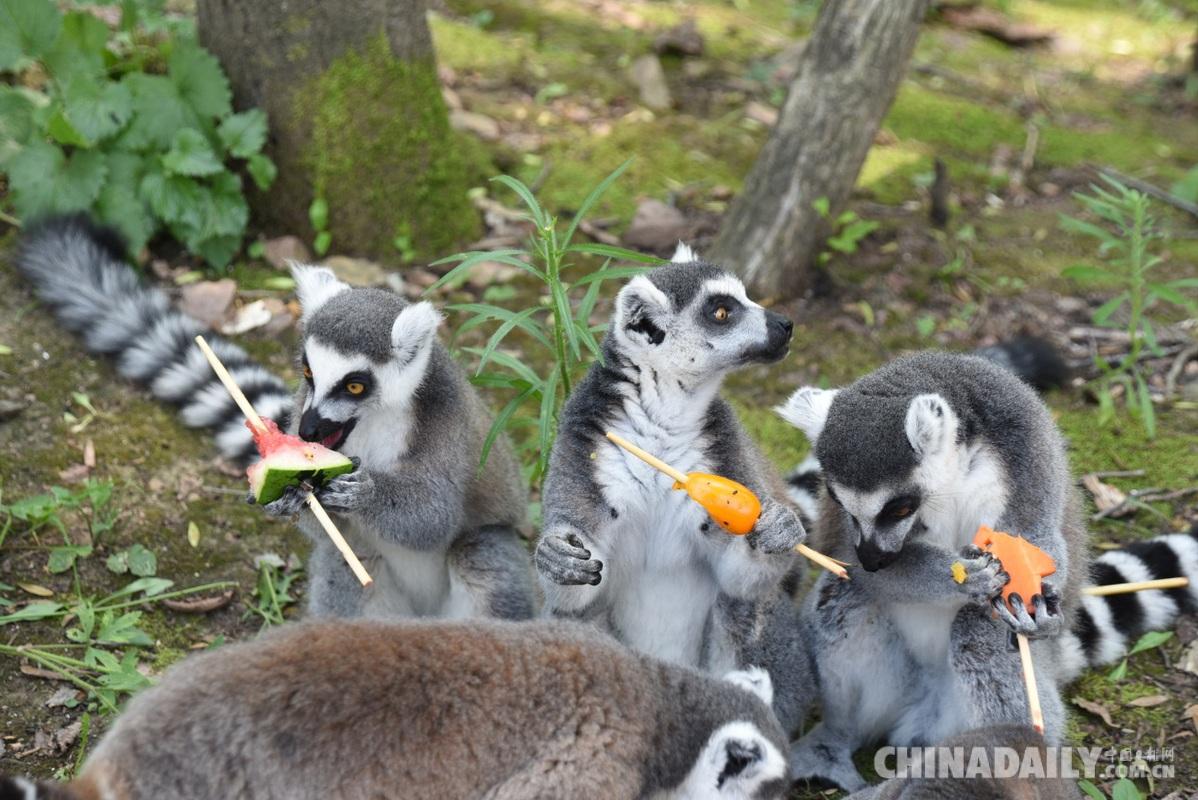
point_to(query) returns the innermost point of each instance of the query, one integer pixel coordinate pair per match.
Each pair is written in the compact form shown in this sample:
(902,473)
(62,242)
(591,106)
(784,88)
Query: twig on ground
(1141,497)
(1152,190)
(1114,473)
(1179,364)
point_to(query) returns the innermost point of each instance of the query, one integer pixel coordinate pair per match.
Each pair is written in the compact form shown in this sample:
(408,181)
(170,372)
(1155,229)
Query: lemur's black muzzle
(874,558)
(778,330)
(330,433)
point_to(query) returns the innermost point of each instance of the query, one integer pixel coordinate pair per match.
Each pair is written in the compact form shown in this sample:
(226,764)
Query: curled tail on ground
(79,270)
(23,789)
(1106,627)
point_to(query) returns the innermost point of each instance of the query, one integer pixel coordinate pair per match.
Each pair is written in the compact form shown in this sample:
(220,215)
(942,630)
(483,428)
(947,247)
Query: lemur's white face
(345,390)
(883,510)
(718,329)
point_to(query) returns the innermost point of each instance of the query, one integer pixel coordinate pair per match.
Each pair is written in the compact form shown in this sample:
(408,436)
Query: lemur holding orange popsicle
(618,546)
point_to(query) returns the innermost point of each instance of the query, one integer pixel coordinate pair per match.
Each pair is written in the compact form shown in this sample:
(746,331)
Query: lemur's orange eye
(354,387)
(307,372)
(721,314)
(901,512)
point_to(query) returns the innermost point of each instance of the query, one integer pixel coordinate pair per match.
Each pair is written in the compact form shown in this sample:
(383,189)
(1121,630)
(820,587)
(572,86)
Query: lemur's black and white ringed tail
(79,270)
(1106,627)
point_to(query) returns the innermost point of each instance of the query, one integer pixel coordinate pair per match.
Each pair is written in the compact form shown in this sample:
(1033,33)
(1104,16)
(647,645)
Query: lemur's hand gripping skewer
(732,505)
(1026,564)
(256,421)
(1136,586)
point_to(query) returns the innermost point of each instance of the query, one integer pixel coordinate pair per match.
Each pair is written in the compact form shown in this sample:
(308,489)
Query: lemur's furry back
(78,269)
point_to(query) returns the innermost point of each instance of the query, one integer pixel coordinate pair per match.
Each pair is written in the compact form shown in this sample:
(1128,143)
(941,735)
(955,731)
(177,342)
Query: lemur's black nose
(874,558)
(315,428)
(780,328)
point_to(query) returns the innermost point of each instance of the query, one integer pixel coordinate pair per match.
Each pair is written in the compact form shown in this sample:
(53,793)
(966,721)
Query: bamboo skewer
(832,565)
(318,511)
(1029,681)
(1136,586)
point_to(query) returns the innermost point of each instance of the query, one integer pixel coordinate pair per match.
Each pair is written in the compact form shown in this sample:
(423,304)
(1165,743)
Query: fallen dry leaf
(248,317)
(200,605)
(1105,496)
(1192,712)
(89,454)
(1148,701)
(193,534)
(75,473)
(1097,709)
(1189,659)
(38,672)
(35,589)
(63,696)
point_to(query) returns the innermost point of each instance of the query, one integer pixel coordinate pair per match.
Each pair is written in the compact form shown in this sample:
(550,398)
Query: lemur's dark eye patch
(357,384)
(721,309)
(899,508)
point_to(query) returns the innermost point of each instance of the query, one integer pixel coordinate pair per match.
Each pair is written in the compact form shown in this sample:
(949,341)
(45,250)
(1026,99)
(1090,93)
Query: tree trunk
(847,80)
(356,117)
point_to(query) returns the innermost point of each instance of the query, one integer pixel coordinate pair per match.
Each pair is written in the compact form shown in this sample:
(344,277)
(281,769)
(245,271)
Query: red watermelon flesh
(288,461)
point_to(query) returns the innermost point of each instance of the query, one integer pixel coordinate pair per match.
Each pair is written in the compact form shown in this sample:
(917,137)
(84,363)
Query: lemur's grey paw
(348,492)
(290,504)
(778,530)
(1045,620)
(563,558)
(984,575)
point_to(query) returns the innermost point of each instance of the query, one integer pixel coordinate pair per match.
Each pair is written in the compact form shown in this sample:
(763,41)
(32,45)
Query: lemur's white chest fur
(662,587)
(952,514)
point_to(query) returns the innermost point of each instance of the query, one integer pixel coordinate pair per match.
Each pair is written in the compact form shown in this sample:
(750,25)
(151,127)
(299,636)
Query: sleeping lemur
(619,547)
(916,456)
(438,536)
(360,710)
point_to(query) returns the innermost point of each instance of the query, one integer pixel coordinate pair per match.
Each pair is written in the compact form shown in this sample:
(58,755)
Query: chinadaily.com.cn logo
(1101,763)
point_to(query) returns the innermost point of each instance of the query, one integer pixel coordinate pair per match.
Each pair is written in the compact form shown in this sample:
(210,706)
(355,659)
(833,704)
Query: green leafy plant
(848,230)
(1127,234)
(1148,641)
(318,215)
(35,512)
(1122,789)
(560,325)
(134,127)
(272,595)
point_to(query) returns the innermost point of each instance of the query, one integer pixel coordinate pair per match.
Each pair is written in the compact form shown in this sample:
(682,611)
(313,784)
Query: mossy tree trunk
(847,79)
(356,117)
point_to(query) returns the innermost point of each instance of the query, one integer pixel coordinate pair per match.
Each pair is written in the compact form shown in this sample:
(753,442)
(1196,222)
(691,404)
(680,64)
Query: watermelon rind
(290,466)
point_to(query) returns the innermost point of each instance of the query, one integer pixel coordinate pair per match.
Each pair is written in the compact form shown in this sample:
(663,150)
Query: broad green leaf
(262,170)
(28,29)
(122,630)
(42,180)
(1091,790)
(822,206)
(199,79)
(227,210)
(16,121)
(590,201)
(1119,672)
(151,587)
(191,154)
(79,49)
(1124,789)
(119,206)
(142,562)
(1170,293)
(243,134)
(63,131)
(118,562)
(1150,640)
(1103,313)
(97,109)
(1085,272)
(38,610)
(318,214)
(159,111)
(322,242)
(63,558)
(174,198)
(218,250)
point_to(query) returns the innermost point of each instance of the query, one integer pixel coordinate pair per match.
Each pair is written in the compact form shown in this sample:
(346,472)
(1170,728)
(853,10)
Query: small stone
(208,301)
(485,273)
(760,112)
(278,252)
(480,125)
(357,271)
(650,80)
(656,227)
(681,40)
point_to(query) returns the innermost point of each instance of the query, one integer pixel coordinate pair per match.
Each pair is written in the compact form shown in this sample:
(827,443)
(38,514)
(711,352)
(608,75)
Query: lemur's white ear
(807,409)
(684,254)
(314,286)
(640,308)
(755,680)
(414,330)
(736,760)
(931,424)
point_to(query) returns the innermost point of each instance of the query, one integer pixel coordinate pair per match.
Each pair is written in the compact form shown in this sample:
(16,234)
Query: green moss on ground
(379,141)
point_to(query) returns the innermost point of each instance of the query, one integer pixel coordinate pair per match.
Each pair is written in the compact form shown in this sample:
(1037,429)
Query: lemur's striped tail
(1107,626)
(78,269)
(22,789)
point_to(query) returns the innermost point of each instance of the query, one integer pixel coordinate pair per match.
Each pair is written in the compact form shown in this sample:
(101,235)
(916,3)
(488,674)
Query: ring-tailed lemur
(438,536)
(78,268)
(359,710)
(618,546)
(916,456)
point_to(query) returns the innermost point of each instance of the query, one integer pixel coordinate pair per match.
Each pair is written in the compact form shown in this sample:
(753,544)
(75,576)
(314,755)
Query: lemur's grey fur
(916,456)
(619,547)
(362,710)
(437,535)
(78,268)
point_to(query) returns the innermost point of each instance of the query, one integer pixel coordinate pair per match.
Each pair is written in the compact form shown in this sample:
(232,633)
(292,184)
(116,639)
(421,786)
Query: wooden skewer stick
(830,564)
(1136,586)
(318,511)
(1029,681)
